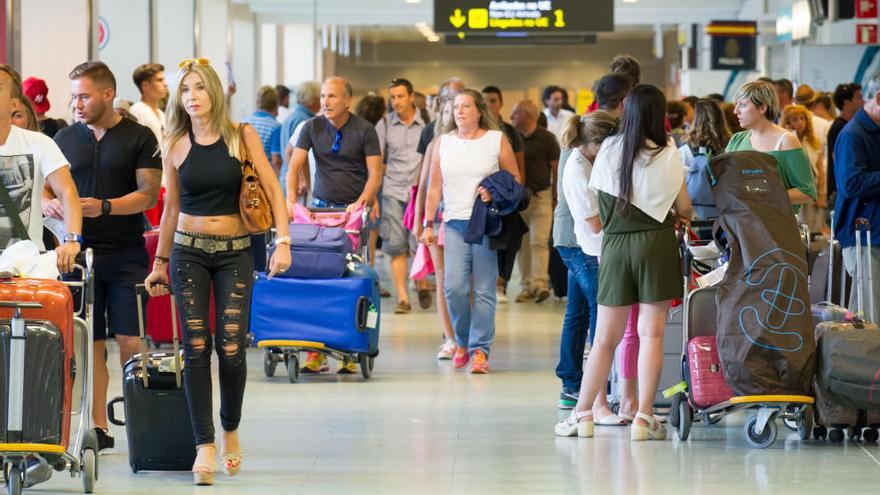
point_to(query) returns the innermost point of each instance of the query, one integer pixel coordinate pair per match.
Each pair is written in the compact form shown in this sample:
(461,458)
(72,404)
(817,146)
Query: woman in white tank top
(471,148)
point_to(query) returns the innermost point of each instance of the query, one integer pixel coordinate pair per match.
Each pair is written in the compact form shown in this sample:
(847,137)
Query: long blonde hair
(809,134)
(177,121)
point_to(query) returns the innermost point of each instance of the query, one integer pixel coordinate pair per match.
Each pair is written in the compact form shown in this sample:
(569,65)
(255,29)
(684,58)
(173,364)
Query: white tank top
(464,164)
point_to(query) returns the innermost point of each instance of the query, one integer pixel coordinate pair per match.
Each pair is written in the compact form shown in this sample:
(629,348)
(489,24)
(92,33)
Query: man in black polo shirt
(117,170)
(542,157)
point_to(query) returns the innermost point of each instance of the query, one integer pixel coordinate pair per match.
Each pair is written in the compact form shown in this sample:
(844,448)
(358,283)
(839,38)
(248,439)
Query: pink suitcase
(707,384)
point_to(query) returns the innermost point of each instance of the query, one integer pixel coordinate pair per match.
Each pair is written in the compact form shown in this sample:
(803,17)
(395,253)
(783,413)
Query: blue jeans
(474,325)
(580,314)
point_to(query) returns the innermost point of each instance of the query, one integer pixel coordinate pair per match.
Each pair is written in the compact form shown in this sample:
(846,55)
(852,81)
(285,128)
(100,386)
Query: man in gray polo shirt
(399,133)
(348,169)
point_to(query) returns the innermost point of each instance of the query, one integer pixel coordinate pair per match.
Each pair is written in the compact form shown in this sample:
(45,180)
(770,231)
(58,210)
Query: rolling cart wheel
(871,435)
(805,423)
(820,432)
(835,435)
(366,363)
(685,420)
(673,410)
(89,470)
(269,364)
(766,438)
(14,480)
(789,422)
(293,368)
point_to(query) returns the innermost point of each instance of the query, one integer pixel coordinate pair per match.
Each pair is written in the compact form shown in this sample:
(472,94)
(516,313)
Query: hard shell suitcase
(35,359)
(158,325)
(828,304)
(670,374)
(157,420)
(706,384)
(343,313)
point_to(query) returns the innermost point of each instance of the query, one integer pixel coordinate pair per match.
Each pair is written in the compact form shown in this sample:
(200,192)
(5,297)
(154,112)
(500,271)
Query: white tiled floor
(418,427)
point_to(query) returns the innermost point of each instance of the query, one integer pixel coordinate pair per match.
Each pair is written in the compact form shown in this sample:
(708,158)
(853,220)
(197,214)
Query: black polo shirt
(105,169)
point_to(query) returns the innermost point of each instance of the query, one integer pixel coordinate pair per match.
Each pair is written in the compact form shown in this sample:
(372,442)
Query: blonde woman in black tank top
(204,245)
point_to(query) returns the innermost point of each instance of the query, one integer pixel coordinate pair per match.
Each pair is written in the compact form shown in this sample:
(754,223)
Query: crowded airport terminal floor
(439,247)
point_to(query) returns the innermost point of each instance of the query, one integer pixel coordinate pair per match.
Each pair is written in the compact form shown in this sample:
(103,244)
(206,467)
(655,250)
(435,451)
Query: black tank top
(210,180)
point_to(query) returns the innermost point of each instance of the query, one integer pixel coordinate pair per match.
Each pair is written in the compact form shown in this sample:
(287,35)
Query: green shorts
(640,267)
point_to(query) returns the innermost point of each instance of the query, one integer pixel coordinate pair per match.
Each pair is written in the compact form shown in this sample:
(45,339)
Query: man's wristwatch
(105,207)
(73,237)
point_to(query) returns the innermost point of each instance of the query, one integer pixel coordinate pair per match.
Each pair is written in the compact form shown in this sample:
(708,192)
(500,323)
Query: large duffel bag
(765,329)
(341,313)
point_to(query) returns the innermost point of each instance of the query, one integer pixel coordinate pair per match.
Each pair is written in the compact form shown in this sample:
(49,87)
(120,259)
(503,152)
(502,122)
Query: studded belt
(212,244)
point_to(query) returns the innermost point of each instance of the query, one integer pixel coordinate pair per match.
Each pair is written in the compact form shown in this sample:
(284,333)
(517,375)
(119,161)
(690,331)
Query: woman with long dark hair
(639,180)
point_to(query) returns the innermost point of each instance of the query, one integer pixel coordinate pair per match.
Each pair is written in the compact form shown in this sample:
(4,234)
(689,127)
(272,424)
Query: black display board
(540,16)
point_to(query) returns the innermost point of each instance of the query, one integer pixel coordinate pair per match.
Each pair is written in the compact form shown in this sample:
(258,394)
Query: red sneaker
(480,365)
(460,360)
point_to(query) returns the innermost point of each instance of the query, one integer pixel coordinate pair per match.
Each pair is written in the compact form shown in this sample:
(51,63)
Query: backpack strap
(779,143)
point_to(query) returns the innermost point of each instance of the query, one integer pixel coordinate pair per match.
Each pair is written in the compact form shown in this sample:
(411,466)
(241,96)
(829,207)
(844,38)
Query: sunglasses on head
(187,62)
(337,143)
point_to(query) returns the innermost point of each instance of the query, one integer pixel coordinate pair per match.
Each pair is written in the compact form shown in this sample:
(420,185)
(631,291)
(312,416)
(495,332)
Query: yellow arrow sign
(457,19)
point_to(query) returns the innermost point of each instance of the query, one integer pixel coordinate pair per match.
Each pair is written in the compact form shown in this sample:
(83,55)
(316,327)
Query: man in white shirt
(556,115)
(29,159)
(150,81)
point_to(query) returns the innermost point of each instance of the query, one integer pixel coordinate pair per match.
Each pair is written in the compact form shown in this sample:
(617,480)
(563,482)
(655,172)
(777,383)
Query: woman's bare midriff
(226,225)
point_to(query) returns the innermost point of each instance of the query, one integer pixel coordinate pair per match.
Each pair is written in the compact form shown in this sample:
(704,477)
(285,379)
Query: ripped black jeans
(193,272)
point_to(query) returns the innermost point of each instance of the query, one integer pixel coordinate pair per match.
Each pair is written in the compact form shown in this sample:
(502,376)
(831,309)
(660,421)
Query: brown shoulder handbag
(256,211)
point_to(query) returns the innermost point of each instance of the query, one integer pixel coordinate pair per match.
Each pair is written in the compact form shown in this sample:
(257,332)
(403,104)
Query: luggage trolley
(760,428)
(81,455)
(287,351)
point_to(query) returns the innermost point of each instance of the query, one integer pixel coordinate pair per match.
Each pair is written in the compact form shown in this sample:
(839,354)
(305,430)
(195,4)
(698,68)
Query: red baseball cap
(37,91)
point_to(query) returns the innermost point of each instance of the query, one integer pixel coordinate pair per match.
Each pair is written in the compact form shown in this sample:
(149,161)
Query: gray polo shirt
(400,144)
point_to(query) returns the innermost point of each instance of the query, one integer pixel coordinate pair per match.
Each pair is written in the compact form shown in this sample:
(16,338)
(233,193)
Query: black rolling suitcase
(157,421)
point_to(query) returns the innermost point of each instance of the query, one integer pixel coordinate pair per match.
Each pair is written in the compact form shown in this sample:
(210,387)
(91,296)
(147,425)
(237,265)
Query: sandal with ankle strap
(576,424)
(653,431)
(231,462)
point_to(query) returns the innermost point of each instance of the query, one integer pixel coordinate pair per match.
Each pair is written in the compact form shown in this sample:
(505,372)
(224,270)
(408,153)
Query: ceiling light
(433,38)
(413,1)
(630,1)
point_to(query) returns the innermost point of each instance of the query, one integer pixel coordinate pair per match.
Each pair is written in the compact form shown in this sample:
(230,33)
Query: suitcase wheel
(871,435)
(292,361)
(820,432)
(835,435)
(854,433)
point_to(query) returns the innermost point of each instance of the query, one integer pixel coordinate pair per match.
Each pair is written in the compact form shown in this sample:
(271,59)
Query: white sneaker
(446,351)
(500,296)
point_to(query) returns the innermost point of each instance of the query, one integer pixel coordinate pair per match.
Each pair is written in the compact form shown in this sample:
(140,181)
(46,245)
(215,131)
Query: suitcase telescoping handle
(141,289)
(860,270)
